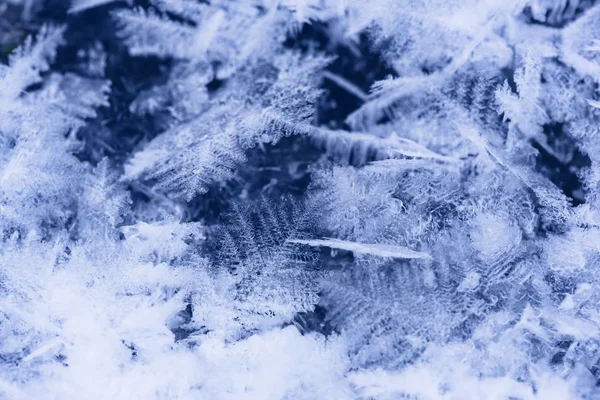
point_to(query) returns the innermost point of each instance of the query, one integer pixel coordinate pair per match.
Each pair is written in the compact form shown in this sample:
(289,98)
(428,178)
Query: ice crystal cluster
(300,199)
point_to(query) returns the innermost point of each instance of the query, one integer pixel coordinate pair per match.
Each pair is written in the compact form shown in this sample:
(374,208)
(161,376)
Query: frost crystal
(287,200)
